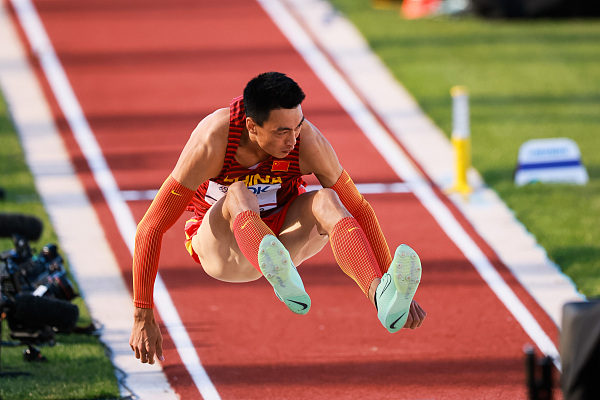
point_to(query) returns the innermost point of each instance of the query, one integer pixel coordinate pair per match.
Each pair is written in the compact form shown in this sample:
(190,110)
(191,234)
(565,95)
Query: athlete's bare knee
(328,199)
(238,199)
(328,209)
(238,190)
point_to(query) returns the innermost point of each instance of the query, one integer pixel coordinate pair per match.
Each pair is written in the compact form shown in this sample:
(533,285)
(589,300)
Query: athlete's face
(278,134)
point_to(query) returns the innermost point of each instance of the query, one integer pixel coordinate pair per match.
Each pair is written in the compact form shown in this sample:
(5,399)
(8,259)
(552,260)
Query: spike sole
(277,267)
(405,273)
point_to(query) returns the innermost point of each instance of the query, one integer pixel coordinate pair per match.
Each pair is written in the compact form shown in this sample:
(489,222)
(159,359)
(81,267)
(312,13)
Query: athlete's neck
(249,153)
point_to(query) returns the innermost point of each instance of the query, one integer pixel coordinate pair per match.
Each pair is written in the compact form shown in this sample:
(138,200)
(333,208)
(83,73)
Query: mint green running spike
(276,265)
(397,288)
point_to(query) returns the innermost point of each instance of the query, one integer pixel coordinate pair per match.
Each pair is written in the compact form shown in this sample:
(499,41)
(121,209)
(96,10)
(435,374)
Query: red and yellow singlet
(274,181)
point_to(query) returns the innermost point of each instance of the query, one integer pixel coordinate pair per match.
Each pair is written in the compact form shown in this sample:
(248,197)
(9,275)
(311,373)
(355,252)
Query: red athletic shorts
(274,221)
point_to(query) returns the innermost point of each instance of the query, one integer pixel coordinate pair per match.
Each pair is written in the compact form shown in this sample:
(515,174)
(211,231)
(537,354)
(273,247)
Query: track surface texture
(145,73)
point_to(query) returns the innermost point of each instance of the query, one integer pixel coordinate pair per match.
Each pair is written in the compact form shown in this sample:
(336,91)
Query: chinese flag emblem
(280,166)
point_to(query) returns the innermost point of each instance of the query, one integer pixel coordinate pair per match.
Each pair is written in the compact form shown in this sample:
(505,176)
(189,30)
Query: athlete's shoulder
(217,122)
(204,152)
(312,138)
(213,128)
(317,156)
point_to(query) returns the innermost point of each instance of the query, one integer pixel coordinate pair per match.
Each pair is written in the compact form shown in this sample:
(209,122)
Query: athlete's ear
(251,125)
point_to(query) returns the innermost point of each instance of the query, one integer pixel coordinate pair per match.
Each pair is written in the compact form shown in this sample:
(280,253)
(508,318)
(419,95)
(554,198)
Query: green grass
(526,79)
(77,367)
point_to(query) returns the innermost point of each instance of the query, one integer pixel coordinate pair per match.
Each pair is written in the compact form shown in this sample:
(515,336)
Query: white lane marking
(429,146)
(397,159)
(76,223)
(364,188)
(61,87)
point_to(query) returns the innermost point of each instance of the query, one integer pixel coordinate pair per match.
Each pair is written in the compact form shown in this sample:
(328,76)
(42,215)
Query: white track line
(73,218)
(63,92)
(396,158)
(429,146)
(364,188)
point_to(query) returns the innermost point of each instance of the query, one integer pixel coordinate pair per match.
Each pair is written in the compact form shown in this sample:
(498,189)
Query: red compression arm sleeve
(168,205)
(360,209)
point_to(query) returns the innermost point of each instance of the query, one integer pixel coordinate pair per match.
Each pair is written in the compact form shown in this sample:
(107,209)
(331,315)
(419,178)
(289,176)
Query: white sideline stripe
(76,224)
(429,146)
(84,136)
(137,195)
(364,188)
(396,158)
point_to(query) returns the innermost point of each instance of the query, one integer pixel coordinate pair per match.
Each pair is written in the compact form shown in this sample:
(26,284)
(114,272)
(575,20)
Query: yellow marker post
(386,4)
(461,138)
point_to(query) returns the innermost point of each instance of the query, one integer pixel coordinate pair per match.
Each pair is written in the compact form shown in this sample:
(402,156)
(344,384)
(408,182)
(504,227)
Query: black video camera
(35,292)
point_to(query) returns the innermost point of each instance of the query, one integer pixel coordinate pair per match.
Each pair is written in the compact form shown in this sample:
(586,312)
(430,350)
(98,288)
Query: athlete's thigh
(217,249)
(300,233)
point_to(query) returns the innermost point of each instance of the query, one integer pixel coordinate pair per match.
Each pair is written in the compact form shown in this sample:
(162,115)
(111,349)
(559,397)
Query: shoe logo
(304,305)
(175,193)
(393,325)
(388,280)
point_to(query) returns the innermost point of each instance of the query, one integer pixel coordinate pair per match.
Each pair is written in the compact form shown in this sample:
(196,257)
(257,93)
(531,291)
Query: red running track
(145,73)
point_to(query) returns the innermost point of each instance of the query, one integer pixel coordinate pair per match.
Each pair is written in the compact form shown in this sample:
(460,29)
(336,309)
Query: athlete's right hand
(146,339)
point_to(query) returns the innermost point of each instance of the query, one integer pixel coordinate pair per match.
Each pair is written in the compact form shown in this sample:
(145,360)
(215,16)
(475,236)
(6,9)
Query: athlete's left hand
(415,317)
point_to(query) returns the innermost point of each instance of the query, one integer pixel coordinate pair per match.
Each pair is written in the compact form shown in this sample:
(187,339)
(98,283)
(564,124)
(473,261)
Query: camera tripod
(9,373)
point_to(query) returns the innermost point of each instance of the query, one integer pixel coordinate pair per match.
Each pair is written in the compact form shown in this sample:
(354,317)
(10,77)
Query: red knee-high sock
(359,207)
(353,253)
(249,229)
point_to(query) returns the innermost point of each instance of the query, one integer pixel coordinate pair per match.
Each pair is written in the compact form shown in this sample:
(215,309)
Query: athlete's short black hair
(270,91)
